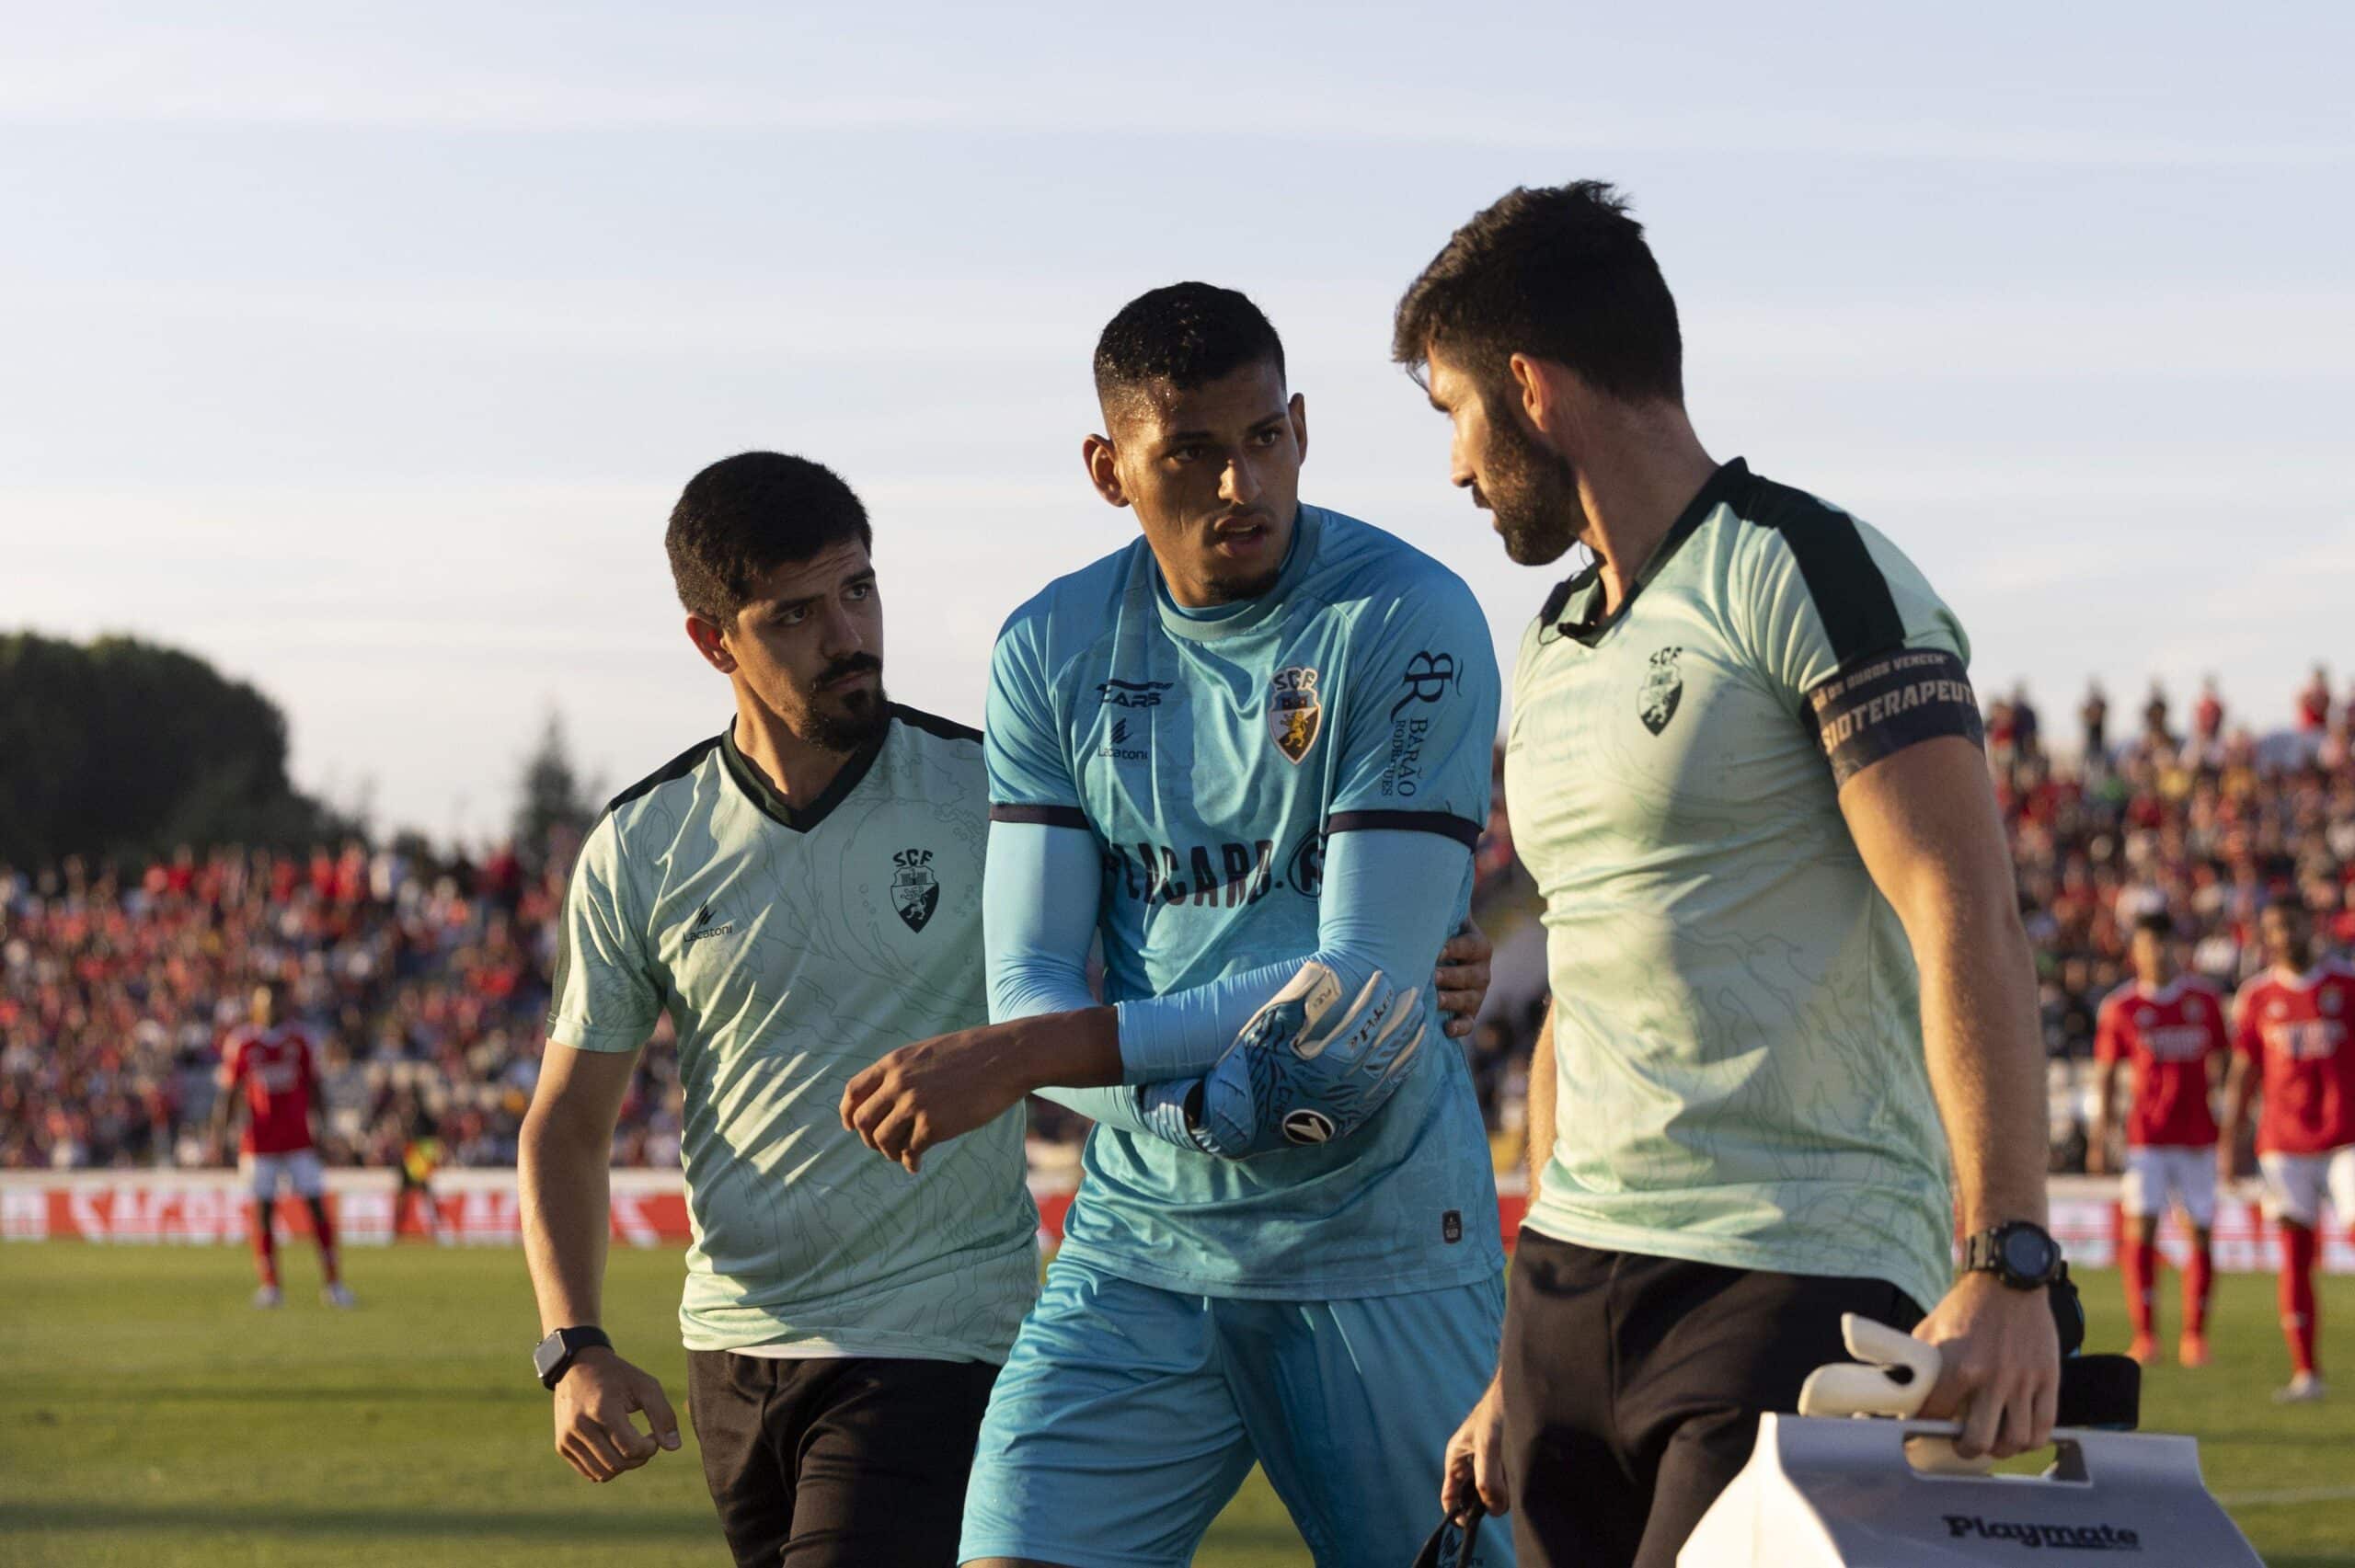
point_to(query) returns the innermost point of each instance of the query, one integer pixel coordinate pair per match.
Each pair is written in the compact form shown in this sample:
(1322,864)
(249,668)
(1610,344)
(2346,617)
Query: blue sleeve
(1022,740)
(1040,888)
(1420,733)
(1379,910)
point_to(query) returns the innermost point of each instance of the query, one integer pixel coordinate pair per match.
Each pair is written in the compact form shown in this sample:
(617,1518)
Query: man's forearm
(1080,1049)
(1986,1065)
(566,1194)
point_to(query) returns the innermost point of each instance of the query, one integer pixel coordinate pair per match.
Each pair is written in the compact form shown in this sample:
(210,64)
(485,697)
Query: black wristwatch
(555,1355)
(2020,1253)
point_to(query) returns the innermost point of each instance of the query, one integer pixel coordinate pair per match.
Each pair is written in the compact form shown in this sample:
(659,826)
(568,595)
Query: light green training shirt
(792,946)
(1736,1019)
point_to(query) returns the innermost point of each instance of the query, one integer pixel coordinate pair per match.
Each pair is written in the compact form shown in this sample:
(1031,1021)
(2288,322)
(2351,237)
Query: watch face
(2028,1253)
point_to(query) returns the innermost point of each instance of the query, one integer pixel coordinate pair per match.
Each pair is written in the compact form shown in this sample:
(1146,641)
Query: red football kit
(2297,1028)
(274,1070)
(2168,1035)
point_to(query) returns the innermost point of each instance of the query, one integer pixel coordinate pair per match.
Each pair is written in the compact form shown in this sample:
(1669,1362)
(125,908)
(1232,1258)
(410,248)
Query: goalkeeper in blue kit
(1251,753)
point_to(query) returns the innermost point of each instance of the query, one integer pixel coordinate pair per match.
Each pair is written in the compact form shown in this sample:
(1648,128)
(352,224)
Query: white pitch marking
(2294,1494)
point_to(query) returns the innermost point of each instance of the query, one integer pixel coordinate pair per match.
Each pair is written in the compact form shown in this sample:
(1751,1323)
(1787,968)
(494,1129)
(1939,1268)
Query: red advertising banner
(649,1209)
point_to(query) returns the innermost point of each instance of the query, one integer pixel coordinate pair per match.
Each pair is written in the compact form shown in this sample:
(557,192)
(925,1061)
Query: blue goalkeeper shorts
(1128,1415)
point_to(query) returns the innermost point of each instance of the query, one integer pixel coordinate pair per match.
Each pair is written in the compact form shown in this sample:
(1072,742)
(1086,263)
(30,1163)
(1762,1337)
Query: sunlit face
(2282,929)
(1530,493)
(262,1007)
(2152,964)
(809,646)
(1213,474)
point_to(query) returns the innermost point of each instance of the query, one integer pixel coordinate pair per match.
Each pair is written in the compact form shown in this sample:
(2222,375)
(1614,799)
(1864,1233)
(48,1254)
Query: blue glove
(1312,1065)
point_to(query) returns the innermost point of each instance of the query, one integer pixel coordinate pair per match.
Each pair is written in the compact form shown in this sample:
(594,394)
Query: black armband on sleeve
(1877,706)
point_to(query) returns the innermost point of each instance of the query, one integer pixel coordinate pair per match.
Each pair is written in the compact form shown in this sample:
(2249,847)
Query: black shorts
(1633,1387)
(838,1463)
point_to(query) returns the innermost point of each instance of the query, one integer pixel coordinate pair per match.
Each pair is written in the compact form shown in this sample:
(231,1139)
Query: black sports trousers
(851,1462)
(1633,1387)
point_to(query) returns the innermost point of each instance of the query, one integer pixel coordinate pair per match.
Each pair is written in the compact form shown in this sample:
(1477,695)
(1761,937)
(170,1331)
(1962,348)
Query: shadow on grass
(276,1520)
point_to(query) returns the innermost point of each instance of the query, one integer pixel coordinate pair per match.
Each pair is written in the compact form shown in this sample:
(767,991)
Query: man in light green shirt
(800,895)
(1793,1024)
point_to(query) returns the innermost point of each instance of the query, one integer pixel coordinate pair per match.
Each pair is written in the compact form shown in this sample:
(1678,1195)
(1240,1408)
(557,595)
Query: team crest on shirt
(916,891)
(2328,1004)
(1663,688)
(1294,712)
(2194,1009)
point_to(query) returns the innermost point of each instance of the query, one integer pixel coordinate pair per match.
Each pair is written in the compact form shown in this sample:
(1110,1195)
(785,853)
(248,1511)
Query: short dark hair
(1185,334)
(1559,273)
(2158,922)
(745,516)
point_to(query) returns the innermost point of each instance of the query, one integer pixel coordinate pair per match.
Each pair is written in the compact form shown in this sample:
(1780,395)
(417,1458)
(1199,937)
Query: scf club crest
(1294,712)
(916,891)
(1663,688)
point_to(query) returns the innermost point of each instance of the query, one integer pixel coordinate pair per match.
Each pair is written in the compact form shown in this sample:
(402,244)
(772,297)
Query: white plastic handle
(1846,1389)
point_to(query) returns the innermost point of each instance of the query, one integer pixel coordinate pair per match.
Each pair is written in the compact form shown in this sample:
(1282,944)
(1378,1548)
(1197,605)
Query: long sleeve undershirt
(1387,902)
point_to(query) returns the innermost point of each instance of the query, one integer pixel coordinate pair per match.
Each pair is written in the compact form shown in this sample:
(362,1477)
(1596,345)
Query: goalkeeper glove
(1312,1065)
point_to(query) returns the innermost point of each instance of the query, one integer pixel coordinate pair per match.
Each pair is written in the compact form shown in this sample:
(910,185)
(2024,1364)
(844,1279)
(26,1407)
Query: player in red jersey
(2293,1020)
(269,1066)
(2170,1026)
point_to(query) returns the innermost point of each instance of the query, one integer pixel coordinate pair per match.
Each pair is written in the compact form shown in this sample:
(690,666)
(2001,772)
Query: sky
(363,350)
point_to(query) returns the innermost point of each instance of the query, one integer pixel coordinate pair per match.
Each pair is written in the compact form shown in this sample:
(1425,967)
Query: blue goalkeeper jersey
(1210,757)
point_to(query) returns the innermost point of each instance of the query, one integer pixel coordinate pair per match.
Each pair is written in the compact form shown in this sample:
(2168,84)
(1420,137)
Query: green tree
(120,749)
(554,806)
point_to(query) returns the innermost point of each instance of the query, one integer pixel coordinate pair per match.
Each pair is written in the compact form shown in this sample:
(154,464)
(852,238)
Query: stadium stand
(427,976)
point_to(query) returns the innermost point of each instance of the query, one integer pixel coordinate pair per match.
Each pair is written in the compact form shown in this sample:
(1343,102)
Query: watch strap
(554,1355)
(1983,1253)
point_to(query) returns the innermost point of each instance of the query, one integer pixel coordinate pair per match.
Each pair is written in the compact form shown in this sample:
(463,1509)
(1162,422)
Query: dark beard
(843,725)
(1231,590)
(1534,496)
(864,717)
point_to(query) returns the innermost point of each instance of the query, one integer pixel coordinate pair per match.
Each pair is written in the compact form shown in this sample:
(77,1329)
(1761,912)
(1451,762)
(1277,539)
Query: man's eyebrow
(1261,423)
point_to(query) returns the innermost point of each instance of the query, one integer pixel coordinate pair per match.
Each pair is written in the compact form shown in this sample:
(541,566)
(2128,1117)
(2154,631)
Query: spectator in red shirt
(2208,717)
(2313,702)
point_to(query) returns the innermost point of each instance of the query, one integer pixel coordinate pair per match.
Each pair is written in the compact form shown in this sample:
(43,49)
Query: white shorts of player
(265,1174)
(2186,1176)
(2294,1185)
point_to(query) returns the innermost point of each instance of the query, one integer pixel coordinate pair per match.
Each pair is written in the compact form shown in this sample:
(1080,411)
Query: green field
(148,1416)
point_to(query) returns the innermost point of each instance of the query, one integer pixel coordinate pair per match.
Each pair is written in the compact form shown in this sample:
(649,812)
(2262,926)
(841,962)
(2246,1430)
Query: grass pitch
(148,1416)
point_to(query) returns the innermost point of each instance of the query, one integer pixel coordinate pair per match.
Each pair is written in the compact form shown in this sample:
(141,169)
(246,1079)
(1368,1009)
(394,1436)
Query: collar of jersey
(1307,525)
(800,818)
(1714,491)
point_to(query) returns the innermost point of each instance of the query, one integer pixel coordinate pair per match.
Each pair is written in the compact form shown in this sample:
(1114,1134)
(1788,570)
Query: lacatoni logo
(1116,745)
(2035,1537)
(703,927)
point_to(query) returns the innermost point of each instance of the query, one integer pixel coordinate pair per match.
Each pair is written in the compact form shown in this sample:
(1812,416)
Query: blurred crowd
(422,979)
(425,977)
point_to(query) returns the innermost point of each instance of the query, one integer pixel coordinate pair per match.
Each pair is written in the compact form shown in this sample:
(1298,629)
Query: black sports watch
(2020,1253)
(554,1355)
